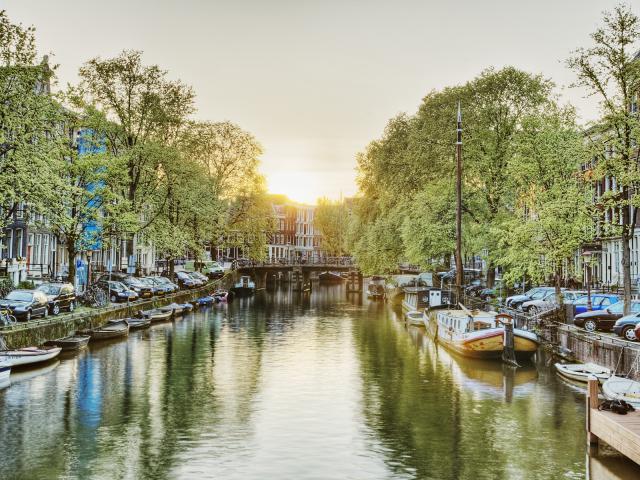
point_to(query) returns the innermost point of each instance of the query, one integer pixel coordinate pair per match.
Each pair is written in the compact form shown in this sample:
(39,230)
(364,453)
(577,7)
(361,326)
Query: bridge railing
(322,261)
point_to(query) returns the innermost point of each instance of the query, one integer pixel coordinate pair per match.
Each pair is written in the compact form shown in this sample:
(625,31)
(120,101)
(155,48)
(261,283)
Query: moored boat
(396,285)
(415,298)
(414,317)
(70,343)
(580,372)
(375,287)
(138,323)
(30,355)
(113,329)
(621,388)
(476,334)
(245,286)
(175,309)
(221,296)
(208,300)
(156,315)
(330,277)
(186,307)
(5,371)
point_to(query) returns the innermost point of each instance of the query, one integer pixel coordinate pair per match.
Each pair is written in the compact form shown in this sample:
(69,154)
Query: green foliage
(6,285)
(331,218)
(26,284)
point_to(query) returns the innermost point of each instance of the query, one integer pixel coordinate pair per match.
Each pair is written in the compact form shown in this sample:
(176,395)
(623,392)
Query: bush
(27,285)
(5,286)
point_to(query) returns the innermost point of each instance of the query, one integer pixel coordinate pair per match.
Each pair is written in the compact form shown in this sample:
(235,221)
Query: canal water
(292,386)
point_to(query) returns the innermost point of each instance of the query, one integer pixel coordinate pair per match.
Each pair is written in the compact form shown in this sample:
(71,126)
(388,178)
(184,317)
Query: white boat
(620,388)
(580,372)
(414,317)
(5,370)
(31,355)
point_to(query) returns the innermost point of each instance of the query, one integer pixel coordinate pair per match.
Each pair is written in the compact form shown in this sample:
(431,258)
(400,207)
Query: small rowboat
(620,388)
(156,315)
(208,300)
(580,372)
(31,355)
(174,308)
(113,329)
(186,307)
(138,323)
(5,371)
(71,343)
(414,317)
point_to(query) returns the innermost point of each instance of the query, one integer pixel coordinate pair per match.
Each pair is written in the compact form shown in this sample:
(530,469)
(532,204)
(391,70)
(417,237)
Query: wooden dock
(621,432)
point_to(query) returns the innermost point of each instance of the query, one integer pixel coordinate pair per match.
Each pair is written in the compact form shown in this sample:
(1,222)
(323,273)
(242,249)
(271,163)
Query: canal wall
(36,332)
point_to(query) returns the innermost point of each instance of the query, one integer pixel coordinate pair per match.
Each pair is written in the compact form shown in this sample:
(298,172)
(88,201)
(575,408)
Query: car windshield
(162,280)
(539,295)
(49,289)
(531,292)
(135,281)
(20,296)
(183,275)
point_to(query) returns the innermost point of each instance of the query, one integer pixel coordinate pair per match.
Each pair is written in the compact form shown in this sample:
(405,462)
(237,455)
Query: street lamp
(586,262)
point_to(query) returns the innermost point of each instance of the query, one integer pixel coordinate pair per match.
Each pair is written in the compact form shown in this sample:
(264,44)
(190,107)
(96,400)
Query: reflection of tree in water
(433,425)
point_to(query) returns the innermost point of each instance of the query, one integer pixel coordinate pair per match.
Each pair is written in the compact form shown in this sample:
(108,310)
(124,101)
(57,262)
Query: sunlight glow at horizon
(308,186)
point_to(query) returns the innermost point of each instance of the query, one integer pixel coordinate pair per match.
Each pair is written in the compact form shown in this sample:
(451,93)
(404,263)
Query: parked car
(197,280)
(637,330)
(184,280)
(156,290)
(61,296)
(570,297)
(540,301)
(117,291)
(142,289)
(599,301)
(625,326)
(163,283)
(604,319)
(26,304)
(515,301)
(213,269)
(200,276)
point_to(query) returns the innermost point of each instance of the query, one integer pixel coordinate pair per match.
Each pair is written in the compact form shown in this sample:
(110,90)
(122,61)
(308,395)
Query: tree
(552,209)
(29,116)
(140,112)
(332,220)
(610,71)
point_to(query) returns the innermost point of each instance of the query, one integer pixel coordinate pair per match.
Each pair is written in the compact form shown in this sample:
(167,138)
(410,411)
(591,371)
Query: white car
(540,301)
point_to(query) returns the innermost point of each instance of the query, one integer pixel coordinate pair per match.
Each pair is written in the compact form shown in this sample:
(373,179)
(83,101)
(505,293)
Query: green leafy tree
(609,70)
(331,218)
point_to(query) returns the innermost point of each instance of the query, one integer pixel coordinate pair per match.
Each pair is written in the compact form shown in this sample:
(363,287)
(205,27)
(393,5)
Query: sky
(316,80)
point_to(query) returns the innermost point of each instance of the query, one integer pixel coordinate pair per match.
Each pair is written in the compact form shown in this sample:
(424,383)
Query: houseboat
(415,298)
(375,287)
(476,334)
(244,286)
(396,285)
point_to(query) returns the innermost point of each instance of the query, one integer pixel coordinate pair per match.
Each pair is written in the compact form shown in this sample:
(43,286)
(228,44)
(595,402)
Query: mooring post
(592,403)
(508,348)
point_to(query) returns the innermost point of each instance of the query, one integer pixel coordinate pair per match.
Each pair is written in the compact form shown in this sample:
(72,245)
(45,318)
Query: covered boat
(414,317)
(221,296)
(30,355)
(70,343)
(208,300)
(477,334)
(580,372)
(375,287)
(621,388)
(415,298)
(173,308)
(113,329)
(156,315)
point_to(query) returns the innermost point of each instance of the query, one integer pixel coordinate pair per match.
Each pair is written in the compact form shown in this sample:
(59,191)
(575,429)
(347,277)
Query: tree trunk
(71,261)
(558,283)
(491,275)
(627,235)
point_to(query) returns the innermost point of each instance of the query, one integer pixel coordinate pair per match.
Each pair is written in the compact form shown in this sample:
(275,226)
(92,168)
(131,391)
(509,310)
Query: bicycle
(95,297)
(6,318)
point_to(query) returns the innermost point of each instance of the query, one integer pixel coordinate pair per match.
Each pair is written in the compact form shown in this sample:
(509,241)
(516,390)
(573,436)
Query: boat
(396,285)
(174,309)
(113,329)
(5,371)
(621,388)
(70,343)
(245,286)
(476,334)
(330,277)
(156,315)
(415,298)
(208,300)
(375,287)
(30,355)
(186,307)
(580,372)
(414,317)
(138,323)
(221,295)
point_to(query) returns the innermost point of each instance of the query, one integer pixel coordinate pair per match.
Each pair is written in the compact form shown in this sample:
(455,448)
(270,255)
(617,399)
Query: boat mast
(459,271)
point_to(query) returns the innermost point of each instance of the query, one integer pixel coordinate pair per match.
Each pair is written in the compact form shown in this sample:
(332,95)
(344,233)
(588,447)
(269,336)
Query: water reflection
(291,385)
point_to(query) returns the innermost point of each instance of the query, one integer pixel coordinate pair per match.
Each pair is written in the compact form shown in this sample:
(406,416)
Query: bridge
(298,272)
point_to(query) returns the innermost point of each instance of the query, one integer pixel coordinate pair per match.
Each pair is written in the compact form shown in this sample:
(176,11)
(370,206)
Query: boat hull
(31,356)
(581,373)
(619,388)
(243,291)
(73,343)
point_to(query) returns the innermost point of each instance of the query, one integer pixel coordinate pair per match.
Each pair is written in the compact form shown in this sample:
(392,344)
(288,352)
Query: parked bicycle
(94,297)
(6,318)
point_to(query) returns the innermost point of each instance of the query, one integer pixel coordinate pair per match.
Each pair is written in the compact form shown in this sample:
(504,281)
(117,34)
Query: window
(605,302)
(19,238)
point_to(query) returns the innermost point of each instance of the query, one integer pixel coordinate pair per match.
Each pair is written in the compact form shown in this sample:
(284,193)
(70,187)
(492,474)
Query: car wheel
(590,326)
(72,306)
(629,334)
(113,299)
(56,309)
(533,310)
